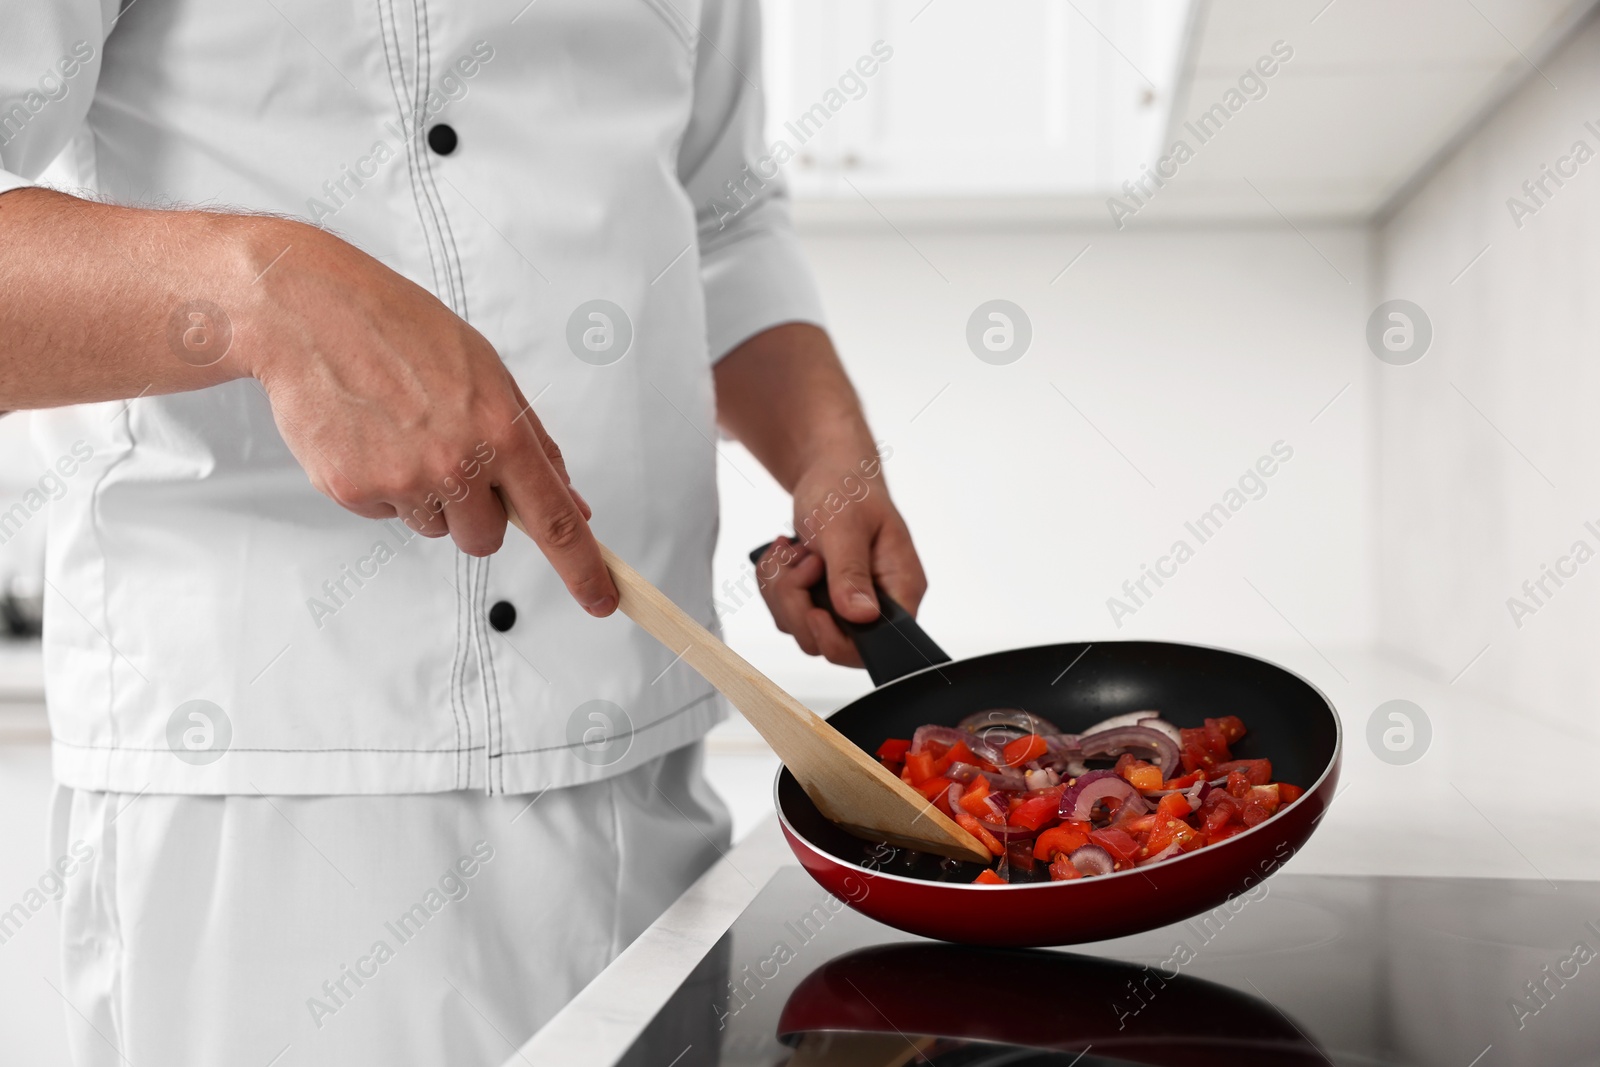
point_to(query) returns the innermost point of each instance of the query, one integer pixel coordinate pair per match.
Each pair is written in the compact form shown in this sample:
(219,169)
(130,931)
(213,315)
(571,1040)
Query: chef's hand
(865,544)
(396,407)
(392,404)
(784,394)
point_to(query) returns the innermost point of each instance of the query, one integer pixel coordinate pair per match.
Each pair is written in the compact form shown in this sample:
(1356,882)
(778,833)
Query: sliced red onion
(953,795)
(1022,722)
(1007,778)
(1138,740)
(1170,850)
(1155,722)
(949,735)
(1091,860)
(1061,744)
(1041,779)
(1129,718)
(1078,802)
(1196,793)
(997,809)
(1075,768)
(1005,833)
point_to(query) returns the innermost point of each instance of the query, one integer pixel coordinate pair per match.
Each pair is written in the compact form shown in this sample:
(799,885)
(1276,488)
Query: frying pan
(1074,685)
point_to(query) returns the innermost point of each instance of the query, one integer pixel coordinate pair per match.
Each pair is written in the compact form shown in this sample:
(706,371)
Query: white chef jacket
(606,150)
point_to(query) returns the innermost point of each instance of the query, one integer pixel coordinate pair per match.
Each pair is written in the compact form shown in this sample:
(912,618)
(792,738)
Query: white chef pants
(437,929)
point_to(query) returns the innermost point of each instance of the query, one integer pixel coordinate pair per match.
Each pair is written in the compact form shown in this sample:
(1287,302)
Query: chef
(348,773)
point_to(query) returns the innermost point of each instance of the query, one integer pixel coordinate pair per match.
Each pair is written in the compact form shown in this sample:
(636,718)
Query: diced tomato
(1217,739)
(919,765)
(1137,824)
(1202,748)
(988,877)
(1219,817)
(1024,750)
(1062,870)
(1264,795)
(1255,814)
(1289,793)
(1063,839)
(1232,727)
(1255,771)
(1121,846)
(1225,832)
(1020,855)
(894,750)
(1183,781)
(1035,812)
(1173,806)
(1173,831)
(975,828)
(1238,785)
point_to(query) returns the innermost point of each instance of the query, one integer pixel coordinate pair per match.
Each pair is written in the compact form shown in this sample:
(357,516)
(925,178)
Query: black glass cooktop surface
(1304,970)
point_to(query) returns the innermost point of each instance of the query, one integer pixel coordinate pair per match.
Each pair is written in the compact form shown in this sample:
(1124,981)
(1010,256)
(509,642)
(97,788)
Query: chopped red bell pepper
(1025,750)
(1035,812)
(988,877)
(975,828)
(1066,838)
(1173,806)
(894,750)
(919,765)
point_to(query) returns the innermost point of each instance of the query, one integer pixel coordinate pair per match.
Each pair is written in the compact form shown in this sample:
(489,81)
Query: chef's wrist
(259,253)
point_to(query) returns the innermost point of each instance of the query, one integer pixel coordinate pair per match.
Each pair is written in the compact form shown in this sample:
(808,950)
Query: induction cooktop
(1303,970)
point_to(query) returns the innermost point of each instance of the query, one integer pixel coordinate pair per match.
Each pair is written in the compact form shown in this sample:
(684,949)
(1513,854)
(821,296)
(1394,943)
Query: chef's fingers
(896,566)
(832,644)
(557,460)
(475,517)
(425,515)
(531,483)
(785,574)
(845,545)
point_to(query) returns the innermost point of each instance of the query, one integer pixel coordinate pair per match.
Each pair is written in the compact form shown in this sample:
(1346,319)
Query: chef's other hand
(396,407)
(865,542)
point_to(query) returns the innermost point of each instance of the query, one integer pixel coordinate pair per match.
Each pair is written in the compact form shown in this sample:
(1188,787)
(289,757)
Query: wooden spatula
(847,785)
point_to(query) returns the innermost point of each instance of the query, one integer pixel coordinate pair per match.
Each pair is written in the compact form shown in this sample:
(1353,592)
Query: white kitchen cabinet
(1025,98)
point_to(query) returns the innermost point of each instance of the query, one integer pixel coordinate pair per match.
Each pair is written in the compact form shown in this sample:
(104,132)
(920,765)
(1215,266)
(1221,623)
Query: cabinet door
(955,98)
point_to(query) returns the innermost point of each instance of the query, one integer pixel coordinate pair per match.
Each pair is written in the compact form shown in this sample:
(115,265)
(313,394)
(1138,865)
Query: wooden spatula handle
(848,786)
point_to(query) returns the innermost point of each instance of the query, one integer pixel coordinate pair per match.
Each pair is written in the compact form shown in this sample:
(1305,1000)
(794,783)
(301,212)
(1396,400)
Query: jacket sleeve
(754,274)
(49,66)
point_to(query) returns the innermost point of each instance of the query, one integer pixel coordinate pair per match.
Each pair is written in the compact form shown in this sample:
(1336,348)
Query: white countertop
(1489,798)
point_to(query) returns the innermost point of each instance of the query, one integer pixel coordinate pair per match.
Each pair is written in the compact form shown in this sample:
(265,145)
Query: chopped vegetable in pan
(1130,791)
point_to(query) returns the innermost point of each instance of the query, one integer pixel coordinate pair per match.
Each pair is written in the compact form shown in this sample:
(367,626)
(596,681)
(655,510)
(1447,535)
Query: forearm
(785,396)
(97,302)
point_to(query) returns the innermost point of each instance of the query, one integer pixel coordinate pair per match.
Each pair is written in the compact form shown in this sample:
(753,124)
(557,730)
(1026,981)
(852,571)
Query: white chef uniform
(583,181)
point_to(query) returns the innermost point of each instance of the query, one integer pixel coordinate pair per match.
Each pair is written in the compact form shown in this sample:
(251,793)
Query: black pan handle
(892,646)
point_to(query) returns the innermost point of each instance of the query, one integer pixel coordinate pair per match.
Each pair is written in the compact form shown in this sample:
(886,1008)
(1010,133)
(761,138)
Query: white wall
(1474,501)
(1191,350)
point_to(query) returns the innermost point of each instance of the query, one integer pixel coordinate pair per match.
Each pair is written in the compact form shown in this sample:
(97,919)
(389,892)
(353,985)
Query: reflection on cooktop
(1303,970)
